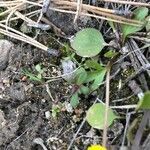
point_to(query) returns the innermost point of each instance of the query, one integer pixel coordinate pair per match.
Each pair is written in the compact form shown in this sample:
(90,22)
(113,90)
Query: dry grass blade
(26,15)
(12,9)
(26,19)
(9,3)
(20,36)
(108,14)
(101,11)
(79,4)
(128,2)
(28,40)
(94,16)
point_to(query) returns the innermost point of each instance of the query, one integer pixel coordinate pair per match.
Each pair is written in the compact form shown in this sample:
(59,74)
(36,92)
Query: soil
(24,103)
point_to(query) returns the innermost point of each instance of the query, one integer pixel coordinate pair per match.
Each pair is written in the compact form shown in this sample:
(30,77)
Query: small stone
(47,114)
(43,100)
(68,107)
(68,67)
(5,47)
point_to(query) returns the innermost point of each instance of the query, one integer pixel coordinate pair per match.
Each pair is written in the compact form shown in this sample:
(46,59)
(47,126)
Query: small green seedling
(37,76)
(88,42)
(144,103)
(87,79)
(55,110)
(139,14)
(95,116)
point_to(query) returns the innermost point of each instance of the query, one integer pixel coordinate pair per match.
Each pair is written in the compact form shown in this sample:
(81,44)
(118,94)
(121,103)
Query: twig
(128,116)
(79,4)
(49,92)
(124,107)
(27,39)
(100,11)
(80,127)
(128,2)
(28,14)
(139,133)
(94,16)
(74,137)
(106,105)
(11,9)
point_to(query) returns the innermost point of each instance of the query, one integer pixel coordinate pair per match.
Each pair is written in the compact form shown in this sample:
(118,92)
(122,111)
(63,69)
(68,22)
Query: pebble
(5,47)
(47,114)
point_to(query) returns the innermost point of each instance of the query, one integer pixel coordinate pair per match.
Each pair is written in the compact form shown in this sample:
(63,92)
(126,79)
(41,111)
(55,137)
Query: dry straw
(75,7)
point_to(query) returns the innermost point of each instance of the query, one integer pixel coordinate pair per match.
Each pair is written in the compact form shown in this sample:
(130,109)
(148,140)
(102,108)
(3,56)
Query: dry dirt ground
(26,106)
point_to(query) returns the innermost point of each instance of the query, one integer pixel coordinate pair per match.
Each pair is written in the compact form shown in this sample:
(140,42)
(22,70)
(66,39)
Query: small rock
(5,47)
(68,67)
(91,133)
(68,107)
(47,114)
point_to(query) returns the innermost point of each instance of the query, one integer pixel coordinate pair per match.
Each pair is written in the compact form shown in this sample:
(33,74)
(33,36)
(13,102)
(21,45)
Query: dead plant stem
(106,105)
(128,2)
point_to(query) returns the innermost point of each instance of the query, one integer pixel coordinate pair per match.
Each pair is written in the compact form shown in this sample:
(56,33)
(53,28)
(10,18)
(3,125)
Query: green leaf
(80,76)
(93,64)
(110,54)
(84,90)
(92,75)
(74,100)
(148,24)
(139,14)
(95,116)
(88,42)
(38,68)
(98,80)
(34,78)
(30,75)
(55,110)
(112,25)
(145,102)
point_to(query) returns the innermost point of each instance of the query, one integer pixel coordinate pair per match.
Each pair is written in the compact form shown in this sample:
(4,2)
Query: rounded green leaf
(95,116)
(88,42)
(145,102)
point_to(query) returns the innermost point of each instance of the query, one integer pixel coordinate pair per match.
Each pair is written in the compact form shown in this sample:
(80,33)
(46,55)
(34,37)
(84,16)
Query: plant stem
(106,104)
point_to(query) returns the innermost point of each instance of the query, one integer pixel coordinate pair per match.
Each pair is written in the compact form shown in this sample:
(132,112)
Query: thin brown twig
(106,105)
